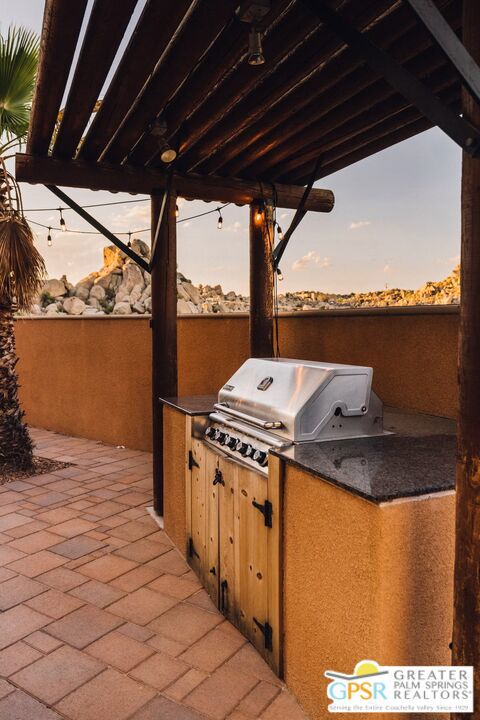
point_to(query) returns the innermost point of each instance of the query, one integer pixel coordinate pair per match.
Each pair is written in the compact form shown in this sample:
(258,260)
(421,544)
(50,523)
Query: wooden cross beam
(122,178)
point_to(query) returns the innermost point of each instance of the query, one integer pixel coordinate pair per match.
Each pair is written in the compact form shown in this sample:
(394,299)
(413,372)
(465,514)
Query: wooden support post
(466,629)
(164,329)
(261,280)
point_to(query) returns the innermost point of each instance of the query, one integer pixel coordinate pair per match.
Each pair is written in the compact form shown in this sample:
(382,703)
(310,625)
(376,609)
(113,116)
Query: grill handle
(250,419)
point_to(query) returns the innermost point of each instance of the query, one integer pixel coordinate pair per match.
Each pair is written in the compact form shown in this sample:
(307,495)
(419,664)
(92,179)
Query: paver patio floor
(100,616)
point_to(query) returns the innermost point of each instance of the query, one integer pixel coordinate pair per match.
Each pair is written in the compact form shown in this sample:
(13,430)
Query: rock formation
(121,287)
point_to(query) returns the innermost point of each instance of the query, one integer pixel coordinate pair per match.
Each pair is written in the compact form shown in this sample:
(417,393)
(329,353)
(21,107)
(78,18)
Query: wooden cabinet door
(197,510)
(235,546)
(251,553)
(203,548)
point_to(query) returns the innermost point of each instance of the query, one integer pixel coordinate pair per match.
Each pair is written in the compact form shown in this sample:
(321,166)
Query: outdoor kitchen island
(356,561)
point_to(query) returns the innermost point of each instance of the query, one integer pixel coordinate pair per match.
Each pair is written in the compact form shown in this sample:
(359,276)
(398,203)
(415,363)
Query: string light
(258,217)
(177,210)
(255,50)
(129,243)
(280,233)
(96,232)
(279,274)
(220,219)
(49,237)
(63,225)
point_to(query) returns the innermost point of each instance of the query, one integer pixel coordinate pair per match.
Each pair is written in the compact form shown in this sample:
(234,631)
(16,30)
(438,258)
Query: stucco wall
(91,377)
(362,581)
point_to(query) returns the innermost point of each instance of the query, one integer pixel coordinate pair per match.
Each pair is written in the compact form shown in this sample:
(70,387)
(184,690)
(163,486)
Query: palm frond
(22,268)
(18,63)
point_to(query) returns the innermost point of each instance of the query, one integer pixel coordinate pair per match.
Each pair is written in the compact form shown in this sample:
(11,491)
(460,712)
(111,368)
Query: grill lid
(296,399)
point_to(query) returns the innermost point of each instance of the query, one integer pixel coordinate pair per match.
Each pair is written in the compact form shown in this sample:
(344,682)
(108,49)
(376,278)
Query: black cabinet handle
(223,588)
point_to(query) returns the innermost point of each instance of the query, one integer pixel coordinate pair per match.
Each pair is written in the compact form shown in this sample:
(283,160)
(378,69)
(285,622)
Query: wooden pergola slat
(299,167)
(335,85)
(228,49)
(143,52)
(237,103)
(372,107)
(106,26)
(61,26)
(199,30)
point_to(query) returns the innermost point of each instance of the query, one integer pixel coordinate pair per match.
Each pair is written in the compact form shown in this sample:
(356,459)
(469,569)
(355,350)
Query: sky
(396,220)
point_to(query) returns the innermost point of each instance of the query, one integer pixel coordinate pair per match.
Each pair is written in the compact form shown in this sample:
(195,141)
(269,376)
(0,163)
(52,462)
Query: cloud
(311,258)
(140,214)
(358,224)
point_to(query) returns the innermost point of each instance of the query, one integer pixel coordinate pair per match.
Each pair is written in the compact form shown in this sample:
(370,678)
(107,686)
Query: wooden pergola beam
(466,626)
(98,176)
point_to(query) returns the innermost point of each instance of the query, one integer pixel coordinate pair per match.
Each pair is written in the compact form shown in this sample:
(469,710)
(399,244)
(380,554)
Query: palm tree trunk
(16,447)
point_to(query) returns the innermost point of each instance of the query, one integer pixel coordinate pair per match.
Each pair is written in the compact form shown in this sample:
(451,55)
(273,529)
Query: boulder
(74,306)
(92,311)
(82,292)
(122,295)
(183,307)
(51,309)
(147,303)
(36,309)
(231,296)
(141,248)
(122,308)
(109,280)
(55,288)
(88,280)
(132,276)
(136,294)
(192,293)
(139,308)
(97,292)
(93,302)
(113,257)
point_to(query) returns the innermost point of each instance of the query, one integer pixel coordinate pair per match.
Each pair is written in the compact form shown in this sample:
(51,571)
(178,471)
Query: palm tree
(22,270)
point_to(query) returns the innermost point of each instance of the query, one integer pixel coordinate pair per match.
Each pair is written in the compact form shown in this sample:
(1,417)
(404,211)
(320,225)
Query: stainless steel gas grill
(273,403)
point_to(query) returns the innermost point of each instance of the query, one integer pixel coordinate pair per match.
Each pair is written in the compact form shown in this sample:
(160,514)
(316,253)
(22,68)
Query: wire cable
(131,232)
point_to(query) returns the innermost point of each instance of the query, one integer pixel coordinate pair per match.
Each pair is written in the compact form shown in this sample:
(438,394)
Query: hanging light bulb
(177,210)
(49,237)
(279,274)
(280,233)
(168,154)
(220,219)
(129,243)
(258,216)
(255,50)
(63,225)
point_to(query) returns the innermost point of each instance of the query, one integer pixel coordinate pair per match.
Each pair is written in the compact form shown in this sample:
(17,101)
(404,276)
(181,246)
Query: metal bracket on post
(166,193)
(408,85)
(98,226)
(297,219)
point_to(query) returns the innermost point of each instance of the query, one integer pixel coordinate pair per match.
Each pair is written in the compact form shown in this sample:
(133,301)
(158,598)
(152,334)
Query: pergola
(342,80)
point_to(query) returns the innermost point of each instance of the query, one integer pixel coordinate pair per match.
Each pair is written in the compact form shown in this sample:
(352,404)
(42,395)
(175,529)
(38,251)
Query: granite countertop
(418,459)
(191,404)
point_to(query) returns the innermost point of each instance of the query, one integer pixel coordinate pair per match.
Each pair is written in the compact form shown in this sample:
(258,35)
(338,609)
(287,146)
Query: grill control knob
(220,437)
(249,451)
(230,441)
(260,457)
(209,432)
(241,447)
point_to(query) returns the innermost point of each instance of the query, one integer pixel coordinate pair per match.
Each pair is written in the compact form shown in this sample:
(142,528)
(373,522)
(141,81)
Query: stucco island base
(362,580)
